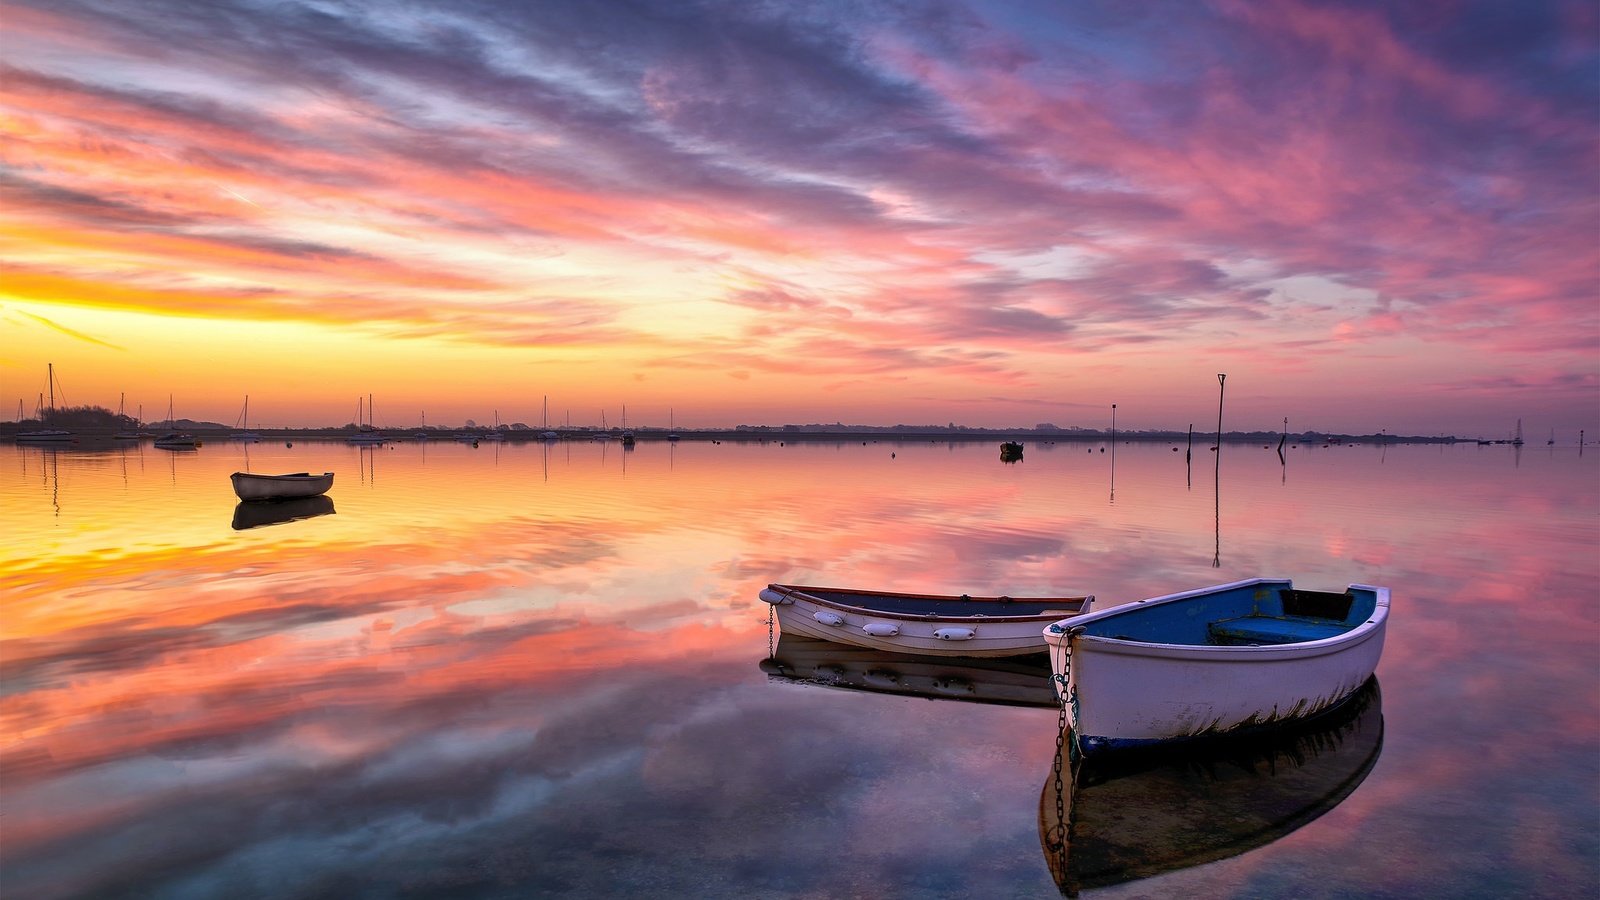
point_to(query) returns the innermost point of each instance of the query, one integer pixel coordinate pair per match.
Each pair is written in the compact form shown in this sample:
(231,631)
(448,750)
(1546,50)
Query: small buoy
(891,455)
(288,443)
(1102,449)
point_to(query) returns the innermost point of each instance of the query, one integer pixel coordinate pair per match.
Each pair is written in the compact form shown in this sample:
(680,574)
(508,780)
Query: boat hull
(280,487)
(1132,692)
(46,437)
(995,627)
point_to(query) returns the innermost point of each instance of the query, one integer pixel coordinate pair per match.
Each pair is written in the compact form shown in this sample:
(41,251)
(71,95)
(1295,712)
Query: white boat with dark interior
(1216,660)
(280,487)
(931,624)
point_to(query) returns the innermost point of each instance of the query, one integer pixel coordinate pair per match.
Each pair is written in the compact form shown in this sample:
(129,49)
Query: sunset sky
(999,214)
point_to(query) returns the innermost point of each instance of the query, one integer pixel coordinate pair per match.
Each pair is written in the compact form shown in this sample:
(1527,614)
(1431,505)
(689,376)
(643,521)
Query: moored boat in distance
(1221,659)
(46,436)
(177,440)
(931,624)
(280,487)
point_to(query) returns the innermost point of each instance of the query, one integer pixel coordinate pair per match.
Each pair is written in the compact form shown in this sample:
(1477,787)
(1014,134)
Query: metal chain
(771,647)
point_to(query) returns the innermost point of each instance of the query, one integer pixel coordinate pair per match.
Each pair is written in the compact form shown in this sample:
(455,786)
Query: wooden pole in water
(1221,384)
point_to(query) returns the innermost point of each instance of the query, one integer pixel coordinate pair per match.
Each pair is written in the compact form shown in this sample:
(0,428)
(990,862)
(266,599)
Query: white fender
(828,617)
(955,634)
(881,629)
(775,598)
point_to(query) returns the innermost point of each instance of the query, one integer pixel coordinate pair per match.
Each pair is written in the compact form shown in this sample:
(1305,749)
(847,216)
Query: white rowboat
(930,624)
(1214,660)
(280,487)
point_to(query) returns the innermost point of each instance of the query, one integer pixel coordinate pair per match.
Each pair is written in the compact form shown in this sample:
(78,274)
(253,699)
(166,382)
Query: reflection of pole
(1188,459)
(1113,453)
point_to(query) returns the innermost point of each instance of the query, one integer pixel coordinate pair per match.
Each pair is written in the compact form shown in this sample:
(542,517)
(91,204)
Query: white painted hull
(991,636)
(1133,692)
(45,437)
(280,487)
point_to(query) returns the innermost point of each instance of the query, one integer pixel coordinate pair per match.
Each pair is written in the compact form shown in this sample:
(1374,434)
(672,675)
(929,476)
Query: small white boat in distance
(280,487)
(929,624)
(1215,660)
(177,440)
(48,436)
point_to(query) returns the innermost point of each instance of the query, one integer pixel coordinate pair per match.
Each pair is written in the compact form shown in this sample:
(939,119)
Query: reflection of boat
(280,487)
(1016,681)
(1139,813)
(256,513)
(1240,655)
(1010,451)
(920,623)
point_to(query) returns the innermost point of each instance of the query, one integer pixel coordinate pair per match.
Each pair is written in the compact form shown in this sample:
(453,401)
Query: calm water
(512,671)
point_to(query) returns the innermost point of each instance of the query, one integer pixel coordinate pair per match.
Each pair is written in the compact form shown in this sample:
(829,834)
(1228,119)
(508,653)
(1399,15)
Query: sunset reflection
(514,652)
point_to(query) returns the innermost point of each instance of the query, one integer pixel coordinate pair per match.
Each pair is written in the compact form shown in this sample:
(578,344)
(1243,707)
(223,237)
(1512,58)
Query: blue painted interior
(1252,614)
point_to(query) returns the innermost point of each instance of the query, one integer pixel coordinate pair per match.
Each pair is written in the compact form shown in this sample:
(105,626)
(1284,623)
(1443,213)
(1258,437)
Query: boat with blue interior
(1215,660)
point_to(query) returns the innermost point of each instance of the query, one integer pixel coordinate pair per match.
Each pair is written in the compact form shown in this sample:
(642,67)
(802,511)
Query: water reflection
(1136,815)
(257,513)
(1015,681)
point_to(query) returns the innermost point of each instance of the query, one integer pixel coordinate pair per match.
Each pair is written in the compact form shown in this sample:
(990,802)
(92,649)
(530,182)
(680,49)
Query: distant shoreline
(758,434)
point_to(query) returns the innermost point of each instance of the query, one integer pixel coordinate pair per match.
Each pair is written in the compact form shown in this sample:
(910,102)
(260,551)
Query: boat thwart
(931,624)
(1215,660)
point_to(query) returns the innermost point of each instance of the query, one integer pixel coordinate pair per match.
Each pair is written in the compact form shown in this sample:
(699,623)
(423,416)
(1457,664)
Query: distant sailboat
(175,439)
(627,436)
(365,433)
(544,423)
(421,434)
(127,434)
(496,434)
(672,425)
(248,436)
(604,434)
(1517,441)
(46,413)
(1552,441)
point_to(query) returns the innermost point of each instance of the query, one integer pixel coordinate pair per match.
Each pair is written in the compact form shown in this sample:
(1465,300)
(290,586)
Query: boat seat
(1269,630)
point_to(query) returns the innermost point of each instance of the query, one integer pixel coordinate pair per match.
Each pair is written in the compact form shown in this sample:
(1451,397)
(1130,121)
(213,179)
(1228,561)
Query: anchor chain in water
(1067,694)
(1068,754)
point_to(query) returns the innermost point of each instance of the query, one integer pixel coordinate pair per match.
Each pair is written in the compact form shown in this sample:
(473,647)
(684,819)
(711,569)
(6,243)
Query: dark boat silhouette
(257,513)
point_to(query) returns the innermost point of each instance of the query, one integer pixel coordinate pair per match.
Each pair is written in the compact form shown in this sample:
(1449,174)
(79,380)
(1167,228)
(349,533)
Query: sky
(1369,216)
